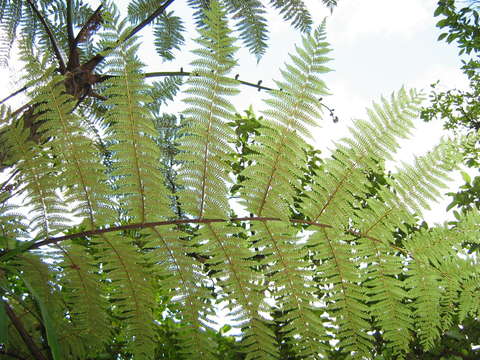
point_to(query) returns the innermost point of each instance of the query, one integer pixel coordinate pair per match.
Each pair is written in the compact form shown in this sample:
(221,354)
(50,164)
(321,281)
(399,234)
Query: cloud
(354,19)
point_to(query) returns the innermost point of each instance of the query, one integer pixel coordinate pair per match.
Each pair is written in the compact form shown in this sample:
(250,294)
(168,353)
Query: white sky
(378,46)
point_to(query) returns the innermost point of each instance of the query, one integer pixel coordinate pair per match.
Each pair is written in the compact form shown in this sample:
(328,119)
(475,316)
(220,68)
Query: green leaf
(466,177)
(442,36)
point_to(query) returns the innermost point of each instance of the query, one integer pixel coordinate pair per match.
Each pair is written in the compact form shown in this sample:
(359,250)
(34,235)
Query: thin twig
(13,94)
(5,183)
(61,63)
(27,339)
(247,83)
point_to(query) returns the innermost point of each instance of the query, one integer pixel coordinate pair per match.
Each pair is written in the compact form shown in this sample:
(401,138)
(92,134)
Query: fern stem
(71,37)
(13,94)
(27,339)
(61,63)
(54,240)
(81,34)
(243,82)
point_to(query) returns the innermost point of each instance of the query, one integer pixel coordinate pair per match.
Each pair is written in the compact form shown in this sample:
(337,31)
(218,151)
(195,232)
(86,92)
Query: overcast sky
(378,47)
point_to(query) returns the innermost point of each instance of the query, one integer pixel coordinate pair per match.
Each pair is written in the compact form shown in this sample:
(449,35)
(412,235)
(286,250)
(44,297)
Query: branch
(100,56)
(55,240)
(148,20)
(50,36)
(13,94)
(27,339)
(254,85)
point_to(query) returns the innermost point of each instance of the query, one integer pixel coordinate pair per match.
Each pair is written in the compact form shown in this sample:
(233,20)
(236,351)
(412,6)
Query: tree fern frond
(168,35)
(251,23)
(229,261)
(344,175)
(10,19)
(139,176)
(200,7)
(164,91)
(85,298)
(132,292)
(78,162)
(293,288)
(419,183)
(386,293)
(346,301)
(138,10)
(268,189)
(47,212)
(186,280)
(205,147)
(331,4)
(433,289)
(295,11)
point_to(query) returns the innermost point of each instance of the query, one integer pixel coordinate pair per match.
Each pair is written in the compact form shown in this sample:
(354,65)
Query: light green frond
(200,8)
(425,289)
(164,91)
(139,10)
(184,278)
(168,35)
(419,183)
(47,213)
(85,297)
(339,276)
(78,161)
(140,180)
(205,146)
(230,260)
(131,290)
(293,290)
(343,176)
(269,187)
(10,19)
(376,225)
(250,23)
(469,303)
(432,288)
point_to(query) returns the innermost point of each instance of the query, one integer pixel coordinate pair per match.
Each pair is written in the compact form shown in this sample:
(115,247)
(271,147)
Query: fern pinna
(97,258)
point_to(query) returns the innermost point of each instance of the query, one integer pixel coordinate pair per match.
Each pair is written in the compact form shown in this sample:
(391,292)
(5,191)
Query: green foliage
(251,23)
(168,35)
(140,238)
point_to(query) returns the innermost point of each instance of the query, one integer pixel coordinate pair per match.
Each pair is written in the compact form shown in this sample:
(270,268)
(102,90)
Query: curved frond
(186,280)
(269,189)
(343,176)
